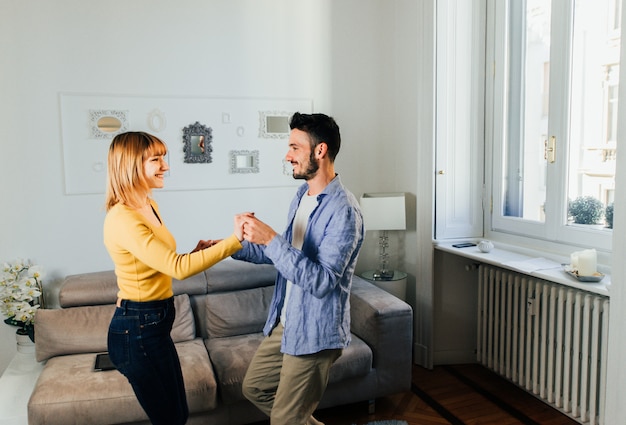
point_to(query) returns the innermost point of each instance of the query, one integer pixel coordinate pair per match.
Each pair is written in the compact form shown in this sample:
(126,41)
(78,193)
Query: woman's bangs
(156,148)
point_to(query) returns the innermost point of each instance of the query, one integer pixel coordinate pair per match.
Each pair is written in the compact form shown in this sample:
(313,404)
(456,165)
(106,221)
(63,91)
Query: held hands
(254,230)
(246,226)
(239,223)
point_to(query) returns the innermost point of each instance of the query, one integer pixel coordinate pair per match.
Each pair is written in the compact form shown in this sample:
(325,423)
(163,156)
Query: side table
(16,385)
(395,286)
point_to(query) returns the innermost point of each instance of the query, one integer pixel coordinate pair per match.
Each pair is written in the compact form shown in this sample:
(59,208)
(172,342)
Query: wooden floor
(459,394)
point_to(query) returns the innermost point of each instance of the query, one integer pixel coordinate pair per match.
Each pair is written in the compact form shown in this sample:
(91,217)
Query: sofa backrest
(99,288)
(237,299)
(237,312)
(222,298)
(83,329)
(234,275)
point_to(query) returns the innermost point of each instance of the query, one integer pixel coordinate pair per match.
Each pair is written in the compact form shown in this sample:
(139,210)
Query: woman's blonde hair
(126,182)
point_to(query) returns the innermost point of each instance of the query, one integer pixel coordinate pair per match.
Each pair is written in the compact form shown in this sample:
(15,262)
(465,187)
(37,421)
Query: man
(308,324)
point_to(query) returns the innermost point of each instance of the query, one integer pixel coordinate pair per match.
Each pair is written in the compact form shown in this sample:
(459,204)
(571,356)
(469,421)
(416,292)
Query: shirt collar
(332,187)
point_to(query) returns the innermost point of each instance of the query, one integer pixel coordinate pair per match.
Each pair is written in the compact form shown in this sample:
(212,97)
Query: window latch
(549,149)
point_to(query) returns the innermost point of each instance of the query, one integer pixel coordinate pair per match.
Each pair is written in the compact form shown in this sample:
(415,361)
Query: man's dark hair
(320,128)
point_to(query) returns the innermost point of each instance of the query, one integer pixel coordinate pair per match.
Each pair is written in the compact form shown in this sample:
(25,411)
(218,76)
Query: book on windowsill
(533,264)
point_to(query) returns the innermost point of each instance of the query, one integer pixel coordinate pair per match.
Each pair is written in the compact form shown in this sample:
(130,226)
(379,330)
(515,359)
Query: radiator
(549,339)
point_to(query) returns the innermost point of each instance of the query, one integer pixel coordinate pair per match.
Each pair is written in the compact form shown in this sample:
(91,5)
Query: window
(554,118)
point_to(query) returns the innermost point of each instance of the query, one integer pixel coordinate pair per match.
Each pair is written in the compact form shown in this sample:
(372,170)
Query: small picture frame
(274,125)
(197,140)
(244,162)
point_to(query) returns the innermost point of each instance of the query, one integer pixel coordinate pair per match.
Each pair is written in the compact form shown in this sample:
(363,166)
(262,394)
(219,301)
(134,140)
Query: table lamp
(383,212)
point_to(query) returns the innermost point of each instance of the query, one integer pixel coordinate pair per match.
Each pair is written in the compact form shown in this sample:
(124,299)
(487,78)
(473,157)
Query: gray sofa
(220,314)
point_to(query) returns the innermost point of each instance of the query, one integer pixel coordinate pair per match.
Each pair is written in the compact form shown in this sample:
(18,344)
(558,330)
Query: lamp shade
(383,211)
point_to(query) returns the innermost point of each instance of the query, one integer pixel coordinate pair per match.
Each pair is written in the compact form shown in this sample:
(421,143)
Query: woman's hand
(205,244)
(240,221)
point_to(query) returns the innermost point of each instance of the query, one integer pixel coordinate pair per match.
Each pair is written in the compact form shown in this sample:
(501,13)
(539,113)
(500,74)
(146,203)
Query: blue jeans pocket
(119,340)
(153,318)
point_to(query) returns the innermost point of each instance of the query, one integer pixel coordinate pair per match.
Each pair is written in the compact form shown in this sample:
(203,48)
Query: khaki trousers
(287,388)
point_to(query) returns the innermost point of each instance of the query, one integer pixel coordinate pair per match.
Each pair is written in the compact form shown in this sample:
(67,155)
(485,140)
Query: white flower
(20,291)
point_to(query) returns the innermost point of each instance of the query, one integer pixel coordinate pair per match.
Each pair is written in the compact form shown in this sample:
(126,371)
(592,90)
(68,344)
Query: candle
(587,262)
(573,260)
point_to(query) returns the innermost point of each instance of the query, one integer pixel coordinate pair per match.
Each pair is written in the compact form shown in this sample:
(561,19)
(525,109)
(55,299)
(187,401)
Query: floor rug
(392,422)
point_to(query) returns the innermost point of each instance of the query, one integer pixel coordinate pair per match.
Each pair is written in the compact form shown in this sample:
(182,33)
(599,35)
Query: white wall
(369,63)
(354,58)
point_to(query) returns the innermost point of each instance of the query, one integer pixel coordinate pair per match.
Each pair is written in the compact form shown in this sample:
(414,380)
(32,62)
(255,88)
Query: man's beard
(311,169)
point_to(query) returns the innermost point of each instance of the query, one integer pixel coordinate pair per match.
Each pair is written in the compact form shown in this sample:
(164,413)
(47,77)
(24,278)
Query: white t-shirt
(300,222)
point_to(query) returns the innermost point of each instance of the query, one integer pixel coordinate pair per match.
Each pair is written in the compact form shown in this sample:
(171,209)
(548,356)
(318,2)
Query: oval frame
(96,114)
(156,120)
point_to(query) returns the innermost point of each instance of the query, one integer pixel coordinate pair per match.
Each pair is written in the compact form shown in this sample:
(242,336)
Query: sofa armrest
(385,323)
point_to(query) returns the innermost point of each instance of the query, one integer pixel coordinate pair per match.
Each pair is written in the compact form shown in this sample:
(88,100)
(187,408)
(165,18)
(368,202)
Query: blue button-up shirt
(318,312)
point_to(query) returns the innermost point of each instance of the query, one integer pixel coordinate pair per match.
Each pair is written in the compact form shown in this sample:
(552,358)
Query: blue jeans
(141,348)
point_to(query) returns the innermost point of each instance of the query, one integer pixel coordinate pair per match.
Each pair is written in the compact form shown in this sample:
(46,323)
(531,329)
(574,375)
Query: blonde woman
(144,253)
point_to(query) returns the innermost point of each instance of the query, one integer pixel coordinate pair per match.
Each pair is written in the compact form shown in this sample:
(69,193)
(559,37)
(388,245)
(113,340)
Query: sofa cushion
(84,329)
(237,313)
(69,391)
(98,288)
(232,355)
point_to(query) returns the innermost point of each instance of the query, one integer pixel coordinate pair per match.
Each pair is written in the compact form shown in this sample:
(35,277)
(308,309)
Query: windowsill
(502,254)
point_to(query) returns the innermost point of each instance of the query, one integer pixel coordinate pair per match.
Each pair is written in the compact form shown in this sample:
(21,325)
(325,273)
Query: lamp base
(383,275)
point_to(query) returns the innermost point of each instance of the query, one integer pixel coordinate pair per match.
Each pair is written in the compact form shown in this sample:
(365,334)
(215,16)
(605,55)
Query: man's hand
(255,231)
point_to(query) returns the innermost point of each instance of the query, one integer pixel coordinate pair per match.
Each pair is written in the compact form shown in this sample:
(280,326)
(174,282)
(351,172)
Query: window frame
(514,229)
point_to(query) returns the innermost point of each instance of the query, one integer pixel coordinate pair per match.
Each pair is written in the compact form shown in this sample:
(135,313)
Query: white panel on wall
(460,132)
(234,125)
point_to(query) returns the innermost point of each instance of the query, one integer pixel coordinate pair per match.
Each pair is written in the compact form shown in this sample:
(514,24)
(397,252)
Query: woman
(144,253)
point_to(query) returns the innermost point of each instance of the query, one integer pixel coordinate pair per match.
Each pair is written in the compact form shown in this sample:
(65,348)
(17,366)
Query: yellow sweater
(145,255)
